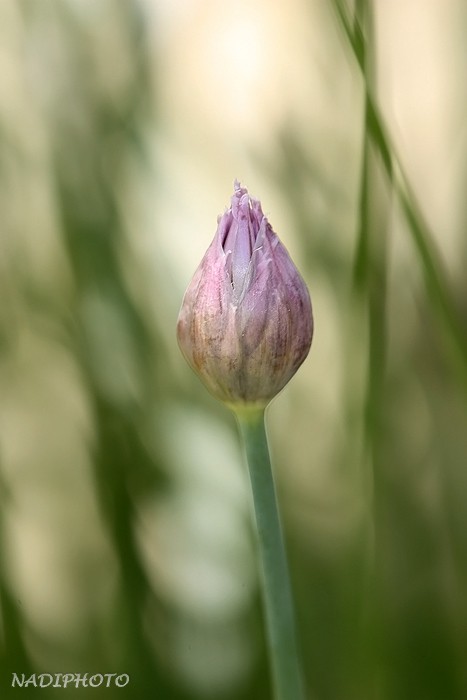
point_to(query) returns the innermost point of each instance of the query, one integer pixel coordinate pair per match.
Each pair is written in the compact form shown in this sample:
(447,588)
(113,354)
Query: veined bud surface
(246,324)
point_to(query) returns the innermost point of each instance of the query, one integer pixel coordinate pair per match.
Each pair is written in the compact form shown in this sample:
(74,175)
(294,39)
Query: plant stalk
(277,595)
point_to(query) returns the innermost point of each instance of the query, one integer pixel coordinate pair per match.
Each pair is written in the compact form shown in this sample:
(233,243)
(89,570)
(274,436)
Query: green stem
(281,632)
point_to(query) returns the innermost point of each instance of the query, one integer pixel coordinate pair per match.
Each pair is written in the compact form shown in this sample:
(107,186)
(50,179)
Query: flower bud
(245,325)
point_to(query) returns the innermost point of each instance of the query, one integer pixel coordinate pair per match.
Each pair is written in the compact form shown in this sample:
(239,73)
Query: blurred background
(125,530)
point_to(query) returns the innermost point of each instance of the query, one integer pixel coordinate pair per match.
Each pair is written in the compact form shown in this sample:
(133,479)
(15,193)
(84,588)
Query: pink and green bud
(246,323)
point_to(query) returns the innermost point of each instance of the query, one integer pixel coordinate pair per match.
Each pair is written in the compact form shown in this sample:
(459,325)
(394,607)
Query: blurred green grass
(125,536)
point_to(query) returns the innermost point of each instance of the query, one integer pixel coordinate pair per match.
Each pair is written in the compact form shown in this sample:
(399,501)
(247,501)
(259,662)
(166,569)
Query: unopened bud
(246,323)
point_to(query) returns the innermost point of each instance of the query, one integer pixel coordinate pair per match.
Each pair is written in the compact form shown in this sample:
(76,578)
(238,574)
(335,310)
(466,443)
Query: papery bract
(245,325)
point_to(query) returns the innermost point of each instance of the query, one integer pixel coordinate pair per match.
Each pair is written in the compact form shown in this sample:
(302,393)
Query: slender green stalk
(281,632)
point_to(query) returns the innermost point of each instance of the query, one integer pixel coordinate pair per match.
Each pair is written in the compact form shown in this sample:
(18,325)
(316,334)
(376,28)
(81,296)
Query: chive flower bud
(246,324)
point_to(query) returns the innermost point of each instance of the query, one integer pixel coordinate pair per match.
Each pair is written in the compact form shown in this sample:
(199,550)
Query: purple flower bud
(246,323)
